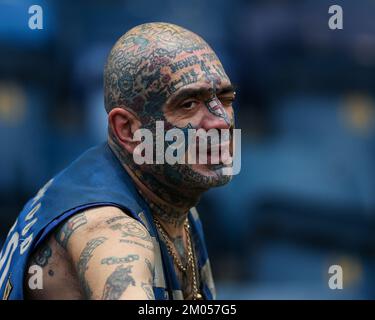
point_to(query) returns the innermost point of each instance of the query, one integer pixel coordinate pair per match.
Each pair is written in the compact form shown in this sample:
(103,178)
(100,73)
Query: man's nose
(215,116)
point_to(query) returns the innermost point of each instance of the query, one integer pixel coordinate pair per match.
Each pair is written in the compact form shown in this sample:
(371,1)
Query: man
(108,228)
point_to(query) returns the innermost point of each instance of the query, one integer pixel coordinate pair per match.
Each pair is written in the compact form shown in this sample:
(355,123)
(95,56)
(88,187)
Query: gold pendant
(198,296)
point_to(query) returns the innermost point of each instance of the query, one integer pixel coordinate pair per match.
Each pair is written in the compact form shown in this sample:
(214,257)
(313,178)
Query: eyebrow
(231,88)
(186,93)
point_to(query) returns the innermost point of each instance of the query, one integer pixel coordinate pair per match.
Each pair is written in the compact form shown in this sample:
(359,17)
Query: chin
(199,177)
(208,176)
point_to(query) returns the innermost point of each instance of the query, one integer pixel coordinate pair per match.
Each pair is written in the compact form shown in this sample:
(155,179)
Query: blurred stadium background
(305,197)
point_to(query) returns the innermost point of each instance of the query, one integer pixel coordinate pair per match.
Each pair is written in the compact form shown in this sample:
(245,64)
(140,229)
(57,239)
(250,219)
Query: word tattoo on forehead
(184,63)
(186,78)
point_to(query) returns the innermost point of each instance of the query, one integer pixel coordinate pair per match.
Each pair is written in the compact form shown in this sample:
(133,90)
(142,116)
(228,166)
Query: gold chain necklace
(191,257)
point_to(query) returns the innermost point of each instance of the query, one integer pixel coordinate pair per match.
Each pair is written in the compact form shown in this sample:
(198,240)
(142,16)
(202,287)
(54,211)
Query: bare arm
(112,253)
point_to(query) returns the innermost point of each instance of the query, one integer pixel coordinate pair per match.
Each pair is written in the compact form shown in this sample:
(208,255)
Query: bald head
(151,62)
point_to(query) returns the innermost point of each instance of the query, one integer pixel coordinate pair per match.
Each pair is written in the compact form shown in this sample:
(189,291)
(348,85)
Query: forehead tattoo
(153,61)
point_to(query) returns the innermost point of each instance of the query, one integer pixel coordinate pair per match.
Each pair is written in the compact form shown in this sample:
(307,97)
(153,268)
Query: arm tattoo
(147,288)
(64,233)
(114,219)
(137,243)
(42,255)
(118,260)
(117,283)
(150,267)
(132,229)
(84,259)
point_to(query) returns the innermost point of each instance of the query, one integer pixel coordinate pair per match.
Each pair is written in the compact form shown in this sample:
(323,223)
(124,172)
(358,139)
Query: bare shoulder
(108,248)
(107,254)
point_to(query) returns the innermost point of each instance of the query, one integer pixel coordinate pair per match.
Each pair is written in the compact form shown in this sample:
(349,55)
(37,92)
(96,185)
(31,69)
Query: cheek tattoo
(215,106)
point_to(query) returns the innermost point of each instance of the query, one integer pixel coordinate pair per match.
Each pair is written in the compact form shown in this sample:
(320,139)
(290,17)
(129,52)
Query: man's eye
(188,105)
(227,101)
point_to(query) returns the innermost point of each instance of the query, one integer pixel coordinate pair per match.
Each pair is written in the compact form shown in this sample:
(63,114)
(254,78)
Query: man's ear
(123,124)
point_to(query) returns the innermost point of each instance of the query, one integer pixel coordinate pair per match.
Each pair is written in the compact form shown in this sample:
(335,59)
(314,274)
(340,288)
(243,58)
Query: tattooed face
(160,71)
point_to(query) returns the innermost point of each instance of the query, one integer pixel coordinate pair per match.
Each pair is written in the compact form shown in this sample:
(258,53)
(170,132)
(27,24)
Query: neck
(169,205)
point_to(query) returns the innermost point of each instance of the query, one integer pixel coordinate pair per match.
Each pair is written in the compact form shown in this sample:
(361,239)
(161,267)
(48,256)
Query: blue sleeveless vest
(94,179)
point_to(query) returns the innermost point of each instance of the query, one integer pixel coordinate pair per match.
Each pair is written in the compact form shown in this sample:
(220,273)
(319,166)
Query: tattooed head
(160,71)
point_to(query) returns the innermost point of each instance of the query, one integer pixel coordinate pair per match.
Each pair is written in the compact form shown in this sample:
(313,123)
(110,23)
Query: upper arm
(112,253)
